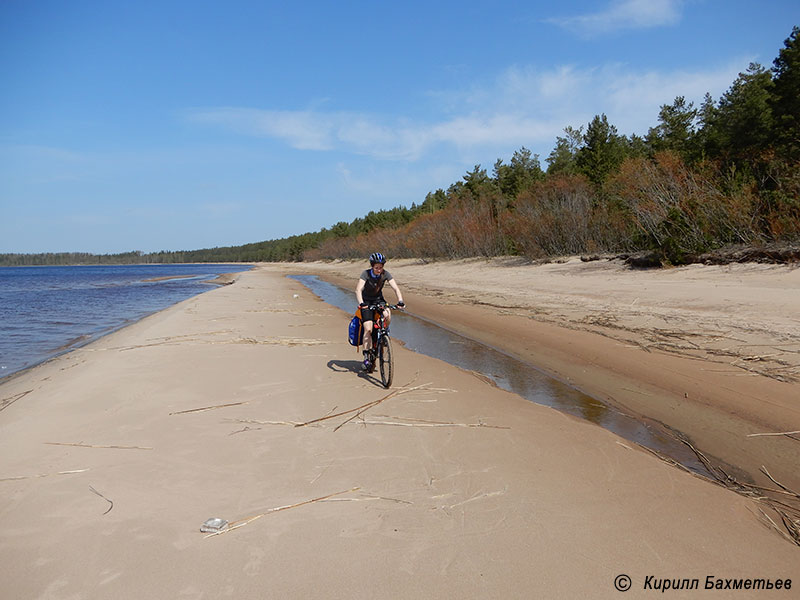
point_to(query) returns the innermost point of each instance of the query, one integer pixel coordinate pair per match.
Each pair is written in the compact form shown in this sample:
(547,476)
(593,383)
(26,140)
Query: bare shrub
(554,217)
(682,212)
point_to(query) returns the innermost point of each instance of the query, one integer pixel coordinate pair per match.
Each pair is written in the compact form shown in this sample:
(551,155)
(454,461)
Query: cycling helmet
(377,257)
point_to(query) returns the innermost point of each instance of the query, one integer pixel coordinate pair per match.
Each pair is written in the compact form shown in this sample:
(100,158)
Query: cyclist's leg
(367,340)
(388,316)
(368,323)
(368,320)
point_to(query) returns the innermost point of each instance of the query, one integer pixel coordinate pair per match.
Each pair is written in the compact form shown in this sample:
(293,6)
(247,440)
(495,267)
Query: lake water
(45,311)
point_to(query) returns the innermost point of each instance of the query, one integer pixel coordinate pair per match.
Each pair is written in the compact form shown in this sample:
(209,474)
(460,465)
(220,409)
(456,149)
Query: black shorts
(367,314)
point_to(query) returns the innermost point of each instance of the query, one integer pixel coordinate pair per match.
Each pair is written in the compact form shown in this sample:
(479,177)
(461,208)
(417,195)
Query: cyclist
(369,290)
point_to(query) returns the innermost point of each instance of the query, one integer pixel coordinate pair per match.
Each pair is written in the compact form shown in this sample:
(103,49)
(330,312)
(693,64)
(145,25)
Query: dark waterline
(513,375)
(46,311)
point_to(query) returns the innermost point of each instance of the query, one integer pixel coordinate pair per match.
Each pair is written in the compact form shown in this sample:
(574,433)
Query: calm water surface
(47,310)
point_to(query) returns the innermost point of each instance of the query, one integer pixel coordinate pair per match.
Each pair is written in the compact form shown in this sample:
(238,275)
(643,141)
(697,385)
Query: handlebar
(382,306)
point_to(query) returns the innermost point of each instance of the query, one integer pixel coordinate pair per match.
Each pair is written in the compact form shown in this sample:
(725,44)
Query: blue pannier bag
(355,330)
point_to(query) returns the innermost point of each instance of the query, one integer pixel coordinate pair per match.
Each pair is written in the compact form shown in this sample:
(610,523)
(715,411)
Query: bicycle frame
(379,328)
(382,351)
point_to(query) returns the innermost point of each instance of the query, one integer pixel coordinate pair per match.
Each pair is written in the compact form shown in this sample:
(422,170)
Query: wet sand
(115,454)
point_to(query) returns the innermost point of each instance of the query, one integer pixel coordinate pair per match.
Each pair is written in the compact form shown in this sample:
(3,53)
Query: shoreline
(711,406)
(224,405)
(89,337)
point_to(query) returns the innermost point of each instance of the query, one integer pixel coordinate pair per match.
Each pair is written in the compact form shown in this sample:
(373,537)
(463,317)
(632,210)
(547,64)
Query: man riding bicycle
(369,291)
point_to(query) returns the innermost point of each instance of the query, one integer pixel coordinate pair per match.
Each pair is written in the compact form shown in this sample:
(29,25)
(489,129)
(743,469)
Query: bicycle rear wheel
(386,361)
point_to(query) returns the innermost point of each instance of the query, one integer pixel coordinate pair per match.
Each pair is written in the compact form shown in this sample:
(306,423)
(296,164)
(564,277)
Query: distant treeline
(724,173)
(284,249)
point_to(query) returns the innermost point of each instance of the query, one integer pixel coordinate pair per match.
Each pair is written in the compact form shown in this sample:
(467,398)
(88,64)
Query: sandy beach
(243,404)
(712,353)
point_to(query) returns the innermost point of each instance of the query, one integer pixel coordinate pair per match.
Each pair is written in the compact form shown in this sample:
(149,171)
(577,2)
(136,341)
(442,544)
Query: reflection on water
(511,374)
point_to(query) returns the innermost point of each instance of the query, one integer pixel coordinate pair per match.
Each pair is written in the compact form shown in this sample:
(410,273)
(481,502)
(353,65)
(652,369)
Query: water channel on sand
(513,375)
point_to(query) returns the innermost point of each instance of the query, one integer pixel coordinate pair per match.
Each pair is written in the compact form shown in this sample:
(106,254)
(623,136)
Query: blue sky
(183,125)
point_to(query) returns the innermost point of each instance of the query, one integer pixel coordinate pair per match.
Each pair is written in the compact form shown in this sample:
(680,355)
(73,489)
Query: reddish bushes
(648,204)
(681,212)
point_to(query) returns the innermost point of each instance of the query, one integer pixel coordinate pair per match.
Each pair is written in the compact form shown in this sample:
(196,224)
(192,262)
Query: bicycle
(382,344)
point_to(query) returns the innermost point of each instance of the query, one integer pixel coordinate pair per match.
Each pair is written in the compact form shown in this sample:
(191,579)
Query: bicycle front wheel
(386,361)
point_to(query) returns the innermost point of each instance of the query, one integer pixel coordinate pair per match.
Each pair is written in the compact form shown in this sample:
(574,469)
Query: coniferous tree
(523,171)
(742,123)
(675,128)
(562,159)
(477,181)
(786,96)
(602,152)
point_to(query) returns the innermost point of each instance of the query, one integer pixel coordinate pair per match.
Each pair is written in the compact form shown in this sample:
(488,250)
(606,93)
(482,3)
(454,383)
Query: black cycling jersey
(373,285)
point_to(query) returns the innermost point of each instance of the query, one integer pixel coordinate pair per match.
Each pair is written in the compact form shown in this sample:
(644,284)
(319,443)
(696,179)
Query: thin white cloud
(533,106)
(524,106)
(624,14)
(305,130)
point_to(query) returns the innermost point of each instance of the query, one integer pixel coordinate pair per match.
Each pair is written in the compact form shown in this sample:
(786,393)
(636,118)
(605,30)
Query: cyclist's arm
(396,289)
(360,291)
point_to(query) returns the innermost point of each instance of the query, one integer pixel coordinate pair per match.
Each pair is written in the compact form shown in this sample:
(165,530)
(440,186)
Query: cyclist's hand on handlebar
(401,304)
(363,305)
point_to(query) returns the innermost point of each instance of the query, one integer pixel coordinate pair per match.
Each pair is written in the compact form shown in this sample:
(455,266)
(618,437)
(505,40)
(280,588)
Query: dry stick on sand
(787,433)
(43,475)
(260,422)
(364,407)
(778,483)
(788,536)
(6,402)
(792,527)
(81,445)
(194,410)
(408,422)
(111,502)
(243,522)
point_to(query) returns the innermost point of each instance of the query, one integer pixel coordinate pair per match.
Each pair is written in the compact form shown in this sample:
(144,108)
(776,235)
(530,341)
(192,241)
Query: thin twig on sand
(243,522)
(778,529)
(791,525)
(111,502)
(260,422)
(82,445)
(246,428)
(204,408)
(6,402)
(358,410)
(408,422)
(778,483)
(786,433)
(43,475)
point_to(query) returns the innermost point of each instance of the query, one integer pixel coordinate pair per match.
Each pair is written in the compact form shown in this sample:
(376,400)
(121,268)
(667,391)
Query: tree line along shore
(715,183)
